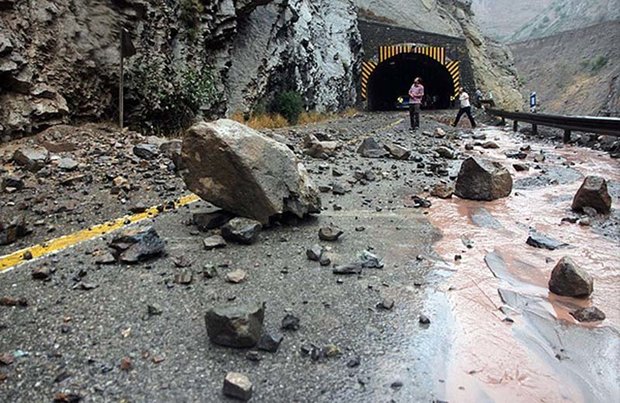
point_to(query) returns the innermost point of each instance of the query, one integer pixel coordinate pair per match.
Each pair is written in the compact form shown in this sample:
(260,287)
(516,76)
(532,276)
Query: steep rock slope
(492,63)
(582,76)
(59,59)
(500,19)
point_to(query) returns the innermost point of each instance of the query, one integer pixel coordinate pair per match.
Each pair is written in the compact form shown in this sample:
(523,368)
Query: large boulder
(244,172)
(569,280)
(483,180)
(593,193)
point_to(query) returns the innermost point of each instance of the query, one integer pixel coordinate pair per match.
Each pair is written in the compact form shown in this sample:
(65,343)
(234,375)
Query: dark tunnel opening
(393,78)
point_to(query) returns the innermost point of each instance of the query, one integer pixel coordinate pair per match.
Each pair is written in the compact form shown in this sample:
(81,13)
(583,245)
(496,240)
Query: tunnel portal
(392,79)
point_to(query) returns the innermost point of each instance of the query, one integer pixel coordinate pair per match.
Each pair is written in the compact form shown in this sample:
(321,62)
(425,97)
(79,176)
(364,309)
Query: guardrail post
(515,126)
(567,134)
(534,129)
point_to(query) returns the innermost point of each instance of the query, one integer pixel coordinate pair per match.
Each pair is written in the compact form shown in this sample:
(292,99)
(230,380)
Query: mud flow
(513,339)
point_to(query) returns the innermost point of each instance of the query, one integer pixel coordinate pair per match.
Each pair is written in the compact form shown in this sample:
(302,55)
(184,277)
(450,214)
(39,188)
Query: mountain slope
(500,19)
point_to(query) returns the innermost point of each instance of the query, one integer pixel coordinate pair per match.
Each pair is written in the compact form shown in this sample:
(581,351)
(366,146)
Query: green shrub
(162,100)
(288,104)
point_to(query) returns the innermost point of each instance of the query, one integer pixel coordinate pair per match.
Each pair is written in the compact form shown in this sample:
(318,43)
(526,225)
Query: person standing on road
(465,108)
(416,93)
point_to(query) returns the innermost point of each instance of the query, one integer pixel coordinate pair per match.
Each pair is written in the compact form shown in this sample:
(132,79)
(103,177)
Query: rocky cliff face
(59,59)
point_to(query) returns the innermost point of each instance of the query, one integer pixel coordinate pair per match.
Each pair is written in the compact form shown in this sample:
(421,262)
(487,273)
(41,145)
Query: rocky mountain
(582,77)
(60,59)
(514,21)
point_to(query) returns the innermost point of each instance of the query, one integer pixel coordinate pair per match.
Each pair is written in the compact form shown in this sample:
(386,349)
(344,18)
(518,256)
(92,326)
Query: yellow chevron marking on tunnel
(367,69)
(434,52)
(67,241)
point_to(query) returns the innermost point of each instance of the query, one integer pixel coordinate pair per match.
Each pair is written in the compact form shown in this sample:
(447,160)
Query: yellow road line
(67,241)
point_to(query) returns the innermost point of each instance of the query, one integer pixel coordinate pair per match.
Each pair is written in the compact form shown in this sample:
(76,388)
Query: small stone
(105,258)
(214,242)
(138,244)
(348,269)
(158,359)
(126,364)
(330,234)
(371,261)
(520,167)
(67,164)
(371,148)
(314,253)
(61,397)
(387,304)
(269,342)
(568,279)
(542,241)
(354,362)
(209,271)
(6,359)
(236,276)
(206,221)
(42,273)
(184,277)
(331,351)
(146,151)
(442,191)
(253,356)
(590,314)
(154,309)
(10,301)
(396,385)
(290,322)
(236,326)
(490,144)
(424,320)
(241,230)
(237,386)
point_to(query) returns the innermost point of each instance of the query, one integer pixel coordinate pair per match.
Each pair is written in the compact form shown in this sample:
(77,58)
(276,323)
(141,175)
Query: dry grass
(276,121)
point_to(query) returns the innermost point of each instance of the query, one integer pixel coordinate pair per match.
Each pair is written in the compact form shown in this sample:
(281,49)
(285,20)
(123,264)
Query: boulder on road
(371,148)
(483,180)
(593,193)
(32,159)
(569,280)
(242,171)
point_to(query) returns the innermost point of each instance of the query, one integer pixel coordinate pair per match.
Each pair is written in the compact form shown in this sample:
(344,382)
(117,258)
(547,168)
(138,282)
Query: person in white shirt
(465,108)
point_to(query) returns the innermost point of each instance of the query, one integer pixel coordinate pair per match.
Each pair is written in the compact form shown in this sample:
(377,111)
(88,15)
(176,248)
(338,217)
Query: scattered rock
(332,350)
(290,322)
(542,241)
(237,386)
(126,364)
(10,301)
(244,172)
(442,191)
(137,244)
(516,154)
(209,271)
(12,182)
(593,193)
(483,180)
(68,164)
(214,242)
(236,276)
(330,234)
(320,149)
(387,304)
(348,269)
(398,152)
(314,253)
(520,167)
(371,148)
(370,261)
(269,342)
(61,397)
(42,273)
(6,359)
(440,133)
(590,314)
(242,230)
(146,151)
(206,221)
(569,280)
(154,309)
(424,320)
(540,157)
(236,326)
(15,229)
(33,159)
(184,277)
(354,362)
(490,145)
(445,152)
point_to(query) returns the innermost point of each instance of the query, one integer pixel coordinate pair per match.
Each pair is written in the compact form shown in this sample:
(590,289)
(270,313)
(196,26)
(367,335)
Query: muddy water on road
(513,340)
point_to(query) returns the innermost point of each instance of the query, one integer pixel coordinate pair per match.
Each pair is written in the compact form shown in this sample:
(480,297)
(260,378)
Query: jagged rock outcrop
(59,59)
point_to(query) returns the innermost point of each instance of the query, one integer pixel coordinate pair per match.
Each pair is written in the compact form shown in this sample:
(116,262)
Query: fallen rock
(33,159)
(515,154)
(440,133)
(290,322)
(593,193)
(146,151)
(371,148)
(269,342)
(314,253)
(442,191)
(521,167)
(320,149)
(68,164)
(13,182)
(15,229)
(445,152)
(206,221)
(370,260)
(236,276)
(348,269)
(330,234)
(569,280)
(237,386)
(137,244)
(424,320)
(236,326)
(244,172)
(483,180)
(398,152)
(590,314)
(387,304)
(214,242)
(184,277)
(490,145)
(42,273)
(242,230)
(542,241)
(10,301)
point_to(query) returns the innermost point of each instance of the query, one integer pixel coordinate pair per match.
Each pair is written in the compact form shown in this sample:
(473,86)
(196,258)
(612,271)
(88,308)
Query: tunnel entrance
(393,78)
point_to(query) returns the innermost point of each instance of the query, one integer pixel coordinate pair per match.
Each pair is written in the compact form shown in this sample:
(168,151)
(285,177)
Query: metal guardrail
(586,124)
